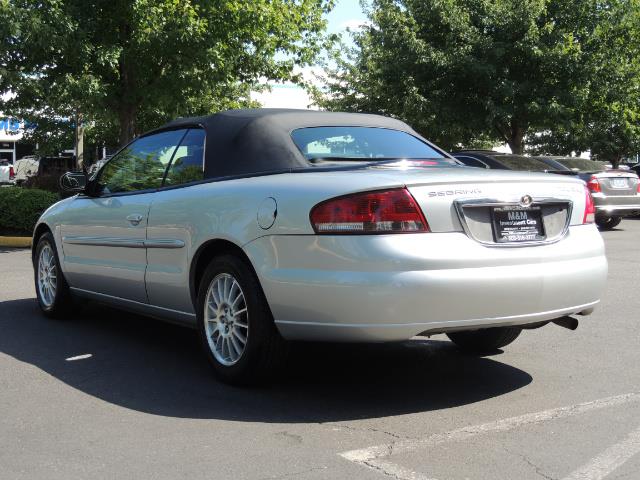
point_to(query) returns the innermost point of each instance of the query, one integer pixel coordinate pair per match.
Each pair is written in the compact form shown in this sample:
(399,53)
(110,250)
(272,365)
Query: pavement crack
(367,429)
(379,469)
(537,469)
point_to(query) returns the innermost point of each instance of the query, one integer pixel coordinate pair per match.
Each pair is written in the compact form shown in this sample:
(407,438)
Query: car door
(103,237)
(171,227)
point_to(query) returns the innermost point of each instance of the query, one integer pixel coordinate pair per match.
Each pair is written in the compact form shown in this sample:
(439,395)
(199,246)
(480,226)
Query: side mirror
(76,182)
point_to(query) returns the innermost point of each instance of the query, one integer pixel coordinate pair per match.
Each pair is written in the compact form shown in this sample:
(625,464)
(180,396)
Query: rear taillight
(589,208)
(389,211)
(594,185)
(11,173)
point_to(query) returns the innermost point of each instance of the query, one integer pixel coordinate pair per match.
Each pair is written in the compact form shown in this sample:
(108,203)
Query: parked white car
(25,168)
(7,173)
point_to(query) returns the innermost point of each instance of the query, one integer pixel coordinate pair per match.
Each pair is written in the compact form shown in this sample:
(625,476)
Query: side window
(187,165)
(142,164)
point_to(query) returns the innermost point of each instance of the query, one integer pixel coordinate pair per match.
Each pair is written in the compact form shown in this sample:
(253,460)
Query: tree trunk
(615,162)
(79,146)
(512,133)
(127,117)
(516,137)
(126,108)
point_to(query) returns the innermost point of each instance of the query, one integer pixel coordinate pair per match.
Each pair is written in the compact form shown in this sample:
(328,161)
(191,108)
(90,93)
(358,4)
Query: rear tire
(485,340)
(52,290)
(608,223)
(235,325)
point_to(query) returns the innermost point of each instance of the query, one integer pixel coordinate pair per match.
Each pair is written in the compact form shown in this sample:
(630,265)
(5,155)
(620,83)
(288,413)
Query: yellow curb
(15,242)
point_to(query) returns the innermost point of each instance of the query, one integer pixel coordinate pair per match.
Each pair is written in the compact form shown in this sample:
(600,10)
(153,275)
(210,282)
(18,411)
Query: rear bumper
(384,288)
(619,206)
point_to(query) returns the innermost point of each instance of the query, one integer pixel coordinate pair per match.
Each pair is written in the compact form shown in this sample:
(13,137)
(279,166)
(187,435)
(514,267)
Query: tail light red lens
(589,209)
(594,185)
(12,173)
(389,211)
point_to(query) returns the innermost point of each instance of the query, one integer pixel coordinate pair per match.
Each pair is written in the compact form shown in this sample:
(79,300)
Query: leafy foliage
(20,209)
(472,71)
(124,66)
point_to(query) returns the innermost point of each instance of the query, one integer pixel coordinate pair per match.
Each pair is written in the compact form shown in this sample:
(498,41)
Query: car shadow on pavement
(157,368)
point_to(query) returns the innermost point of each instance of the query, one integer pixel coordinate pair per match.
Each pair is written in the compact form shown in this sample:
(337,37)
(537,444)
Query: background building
(12,146)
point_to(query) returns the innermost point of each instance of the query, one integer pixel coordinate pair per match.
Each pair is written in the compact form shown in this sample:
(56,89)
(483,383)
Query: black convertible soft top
(254,141)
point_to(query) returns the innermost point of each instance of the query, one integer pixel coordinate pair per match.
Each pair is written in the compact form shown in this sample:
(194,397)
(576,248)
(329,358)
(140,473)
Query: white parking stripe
(79,357)
(612,458)
(371,457)
(394,470)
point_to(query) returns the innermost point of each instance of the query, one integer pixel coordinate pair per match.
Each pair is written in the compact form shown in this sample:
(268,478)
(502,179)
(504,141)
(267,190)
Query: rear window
(518,162)
(370,144)
(582,164)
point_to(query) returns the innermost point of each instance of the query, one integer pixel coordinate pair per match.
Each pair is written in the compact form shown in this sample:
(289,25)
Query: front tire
(485,340)
(608,223)
(235,325)
(52,290)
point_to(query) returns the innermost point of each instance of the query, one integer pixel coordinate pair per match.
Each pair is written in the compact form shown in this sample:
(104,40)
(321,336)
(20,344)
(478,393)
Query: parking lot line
(609,460)
(374,457)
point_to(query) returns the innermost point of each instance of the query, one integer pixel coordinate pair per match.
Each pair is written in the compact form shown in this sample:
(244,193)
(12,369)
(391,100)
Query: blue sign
(10,124)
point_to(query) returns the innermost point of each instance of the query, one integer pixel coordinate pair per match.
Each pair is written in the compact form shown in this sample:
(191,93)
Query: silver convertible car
(261,226)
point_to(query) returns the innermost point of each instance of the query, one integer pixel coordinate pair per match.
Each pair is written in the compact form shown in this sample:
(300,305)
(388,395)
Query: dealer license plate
(516,224)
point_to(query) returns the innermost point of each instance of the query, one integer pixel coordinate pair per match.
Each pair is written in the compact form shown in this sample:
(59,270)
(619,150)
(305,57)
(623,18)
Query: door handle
(134,219)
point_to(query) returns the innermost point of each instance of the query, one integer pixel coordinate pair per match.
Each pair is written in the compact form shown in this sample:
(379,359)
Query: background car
(506,161)
(98,164)
(7,176)
(257,227)
(616,193)
(26,167)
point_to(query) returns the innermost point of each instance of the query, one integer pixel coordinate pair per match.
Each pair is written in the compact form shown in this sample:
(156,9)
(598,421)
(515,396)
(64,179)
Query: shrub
(20,209)
(50,183)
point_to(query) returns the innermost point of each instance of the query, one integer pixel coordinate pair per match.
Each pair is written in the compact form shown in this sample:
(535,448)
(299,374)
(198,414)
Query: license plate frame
(619,183)
(516,224)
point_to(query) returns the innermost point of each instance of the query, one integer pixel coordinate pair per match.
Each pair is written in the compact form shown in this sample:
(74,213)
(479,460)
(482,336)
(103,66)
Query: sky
(346,14)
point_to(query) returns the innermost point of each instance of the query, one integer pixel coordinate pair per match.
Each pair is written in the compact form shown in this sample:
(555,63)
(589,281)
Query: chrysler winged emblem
(526,201)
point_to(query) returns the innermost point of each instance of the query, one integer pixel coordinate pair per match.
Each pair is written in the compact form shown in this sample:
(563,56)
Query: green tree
(607,120)
(463,71)
(124,66)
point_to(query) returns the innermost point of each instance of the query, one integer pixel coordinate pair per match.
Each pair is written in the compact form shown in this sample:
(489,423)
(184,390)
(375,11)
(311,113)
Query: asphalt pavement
(106,394)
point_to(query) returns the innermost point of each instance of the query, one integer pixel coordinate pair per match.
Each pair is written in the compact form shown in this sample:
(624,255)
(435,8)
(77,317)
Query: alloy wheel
(47,276)
(226,319)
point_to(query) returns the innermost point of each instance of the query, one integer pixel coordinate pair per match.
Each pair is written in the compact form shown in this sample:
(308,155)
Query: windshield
(339,144)
(582,164)
(518,162)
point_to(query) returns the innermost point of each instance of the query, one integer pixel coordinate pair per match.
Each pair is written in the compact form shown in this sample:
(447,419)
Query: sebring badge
(526,201)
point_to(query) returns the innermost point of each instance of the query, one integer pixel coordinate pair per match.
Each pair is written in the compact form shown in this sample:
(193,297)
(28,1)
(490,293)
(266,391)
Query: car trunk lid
(617,182)
(523,210)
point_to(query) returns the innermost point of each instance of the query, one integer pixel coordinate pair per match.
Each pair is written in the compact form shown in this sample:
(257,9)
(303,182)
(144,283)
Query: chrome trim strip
(494,202)
(104,241)
(124,242)
(163,243)
(617,207)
